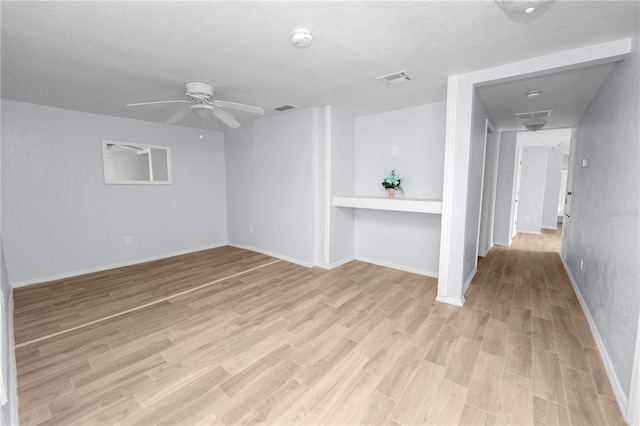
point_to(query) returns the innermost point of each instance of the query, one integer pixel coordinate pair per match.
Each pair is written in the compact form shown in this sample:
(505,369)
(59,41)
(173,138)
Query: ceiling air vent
(284,107)
(534,114)
(395,78)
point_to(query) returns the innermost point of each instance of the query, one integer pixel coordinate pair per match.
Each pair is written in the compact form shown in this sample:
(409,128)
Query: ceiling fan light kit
(202,105)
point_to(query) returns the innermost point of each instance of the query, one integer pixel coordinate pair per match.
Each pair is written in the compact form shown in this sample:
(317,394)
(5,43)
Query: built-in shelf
(393,204)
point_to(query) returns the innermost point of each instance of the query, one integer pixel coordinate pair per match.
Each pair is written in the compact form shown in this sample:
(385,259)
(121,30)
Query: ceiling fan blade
(239,107)
(178,116)
(157,102)
(226,118)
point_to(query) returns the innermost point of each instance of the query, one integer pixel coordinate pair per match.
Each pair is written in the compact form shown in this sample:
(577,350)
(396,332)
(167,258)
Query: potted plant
(392,184)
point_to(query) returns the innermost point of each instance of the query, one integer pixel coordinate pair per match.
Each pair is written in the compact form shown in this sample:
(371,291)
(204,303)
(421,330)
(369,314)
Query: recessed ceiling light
(522,6)
(532,94)
(535,125)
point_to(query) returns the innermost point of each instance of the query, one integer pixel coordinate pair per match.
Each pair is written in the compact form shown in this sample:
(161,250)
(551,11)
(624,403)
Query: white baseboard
(44,279)
(450,300)
(468,282)
(272,254)
(336,264)
(486,251)
(621,398)
(399,267)
(526,231)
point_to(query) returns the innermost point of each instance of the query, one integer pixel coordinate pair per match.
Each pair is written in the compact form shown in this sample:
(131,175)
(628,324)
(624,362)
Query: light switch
(585,163)
(394,150)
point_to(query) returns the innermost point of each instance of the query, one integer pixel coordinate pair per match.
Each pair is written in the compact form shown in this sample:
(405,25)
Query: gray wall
(405,240)
(60,217)
(271,166)
(475,182)
(504,189)
(604,229)
(532,185)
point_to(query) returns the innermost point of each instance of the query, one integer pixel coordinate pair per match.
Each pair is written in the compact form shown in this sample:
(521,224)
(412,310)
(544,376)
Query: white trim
(633,406)
(336,264)
(487,130)
(391,265)
(13,371)
(327,185)
(47,278)
(447,186)
(273,254)
(450,300)
(468,282)
(484,253)
(621,398)
(525,231)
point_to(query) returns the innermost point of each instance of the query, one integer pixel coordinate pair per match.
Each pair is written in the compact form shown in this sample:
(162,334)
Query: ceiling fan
(202,104)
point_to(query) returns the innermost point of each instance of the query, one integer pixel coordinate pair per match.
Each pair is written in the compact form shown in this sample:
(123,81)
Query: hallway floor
(550,361)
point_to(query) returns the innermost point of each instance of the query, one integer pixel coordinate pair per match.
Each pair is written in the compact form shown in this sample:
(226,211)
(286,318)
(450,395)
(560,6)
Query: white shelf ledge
(393,204)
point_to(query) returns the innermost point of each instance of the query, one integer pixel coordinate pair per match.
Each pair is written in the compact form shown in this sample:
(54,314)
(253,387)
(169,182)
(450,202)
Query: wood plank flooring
(174,342)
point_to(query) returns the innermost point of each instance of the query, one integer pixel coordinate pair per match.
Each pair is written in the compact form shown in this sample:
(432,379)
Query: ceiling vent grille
(284,107)
(395,78)
(534,114)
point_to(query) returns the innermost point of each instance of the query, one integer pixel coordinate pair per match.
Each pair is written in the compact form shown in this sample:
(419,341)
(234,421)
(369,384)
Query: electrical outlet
(128,240)
(394,150)
(581,264)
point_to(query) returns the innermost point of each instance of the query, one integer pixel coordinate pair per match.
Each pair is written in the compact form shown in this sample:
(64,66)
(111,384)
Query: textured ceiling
(566,93)
(99,56)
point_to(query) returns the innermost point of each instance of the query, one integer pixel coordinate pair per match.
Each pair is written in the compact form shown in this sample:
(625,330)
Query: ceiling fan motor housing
(199,88)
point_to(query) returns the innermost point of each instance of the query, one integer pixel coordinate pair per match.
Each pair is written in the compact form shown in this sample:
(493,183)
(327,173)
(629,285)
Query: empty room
(331,213)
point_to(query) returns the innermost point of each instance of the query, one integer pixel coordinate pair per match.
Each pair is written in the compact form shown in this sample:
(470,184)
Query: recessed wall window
(135,163)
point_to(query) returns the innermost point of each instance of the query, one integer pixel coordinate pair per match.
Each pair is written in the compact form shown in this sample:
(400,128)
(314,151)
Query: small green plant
(393,182)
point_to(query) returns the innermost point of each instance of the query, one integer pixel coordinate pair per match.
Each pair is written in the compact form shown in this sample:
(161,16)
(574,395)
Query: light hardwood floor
(174,342)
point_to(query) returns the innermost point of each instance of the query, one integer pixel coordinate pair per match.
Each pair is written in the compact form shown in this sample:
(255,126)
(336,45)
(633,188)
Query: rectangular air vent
(534,114)
(395,78)
(284,107)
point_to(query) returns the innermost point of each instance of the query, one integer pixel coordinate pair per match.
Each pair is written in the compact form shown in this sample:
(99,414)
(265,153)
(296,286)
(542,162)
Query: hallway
(538,328)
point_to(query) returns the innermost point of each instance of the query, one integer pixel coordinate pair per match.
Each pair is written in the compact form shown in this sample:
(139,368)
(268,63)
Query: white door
(516,199)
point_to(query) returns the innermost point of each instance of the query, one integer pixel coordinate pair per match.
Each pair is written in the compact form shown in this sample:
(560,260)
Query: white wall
(61,219)
(505,189)
(475,187)
(342,225)
(532,184)
(552,187)
(407,241)
(605,220)
(271,194)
